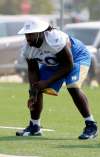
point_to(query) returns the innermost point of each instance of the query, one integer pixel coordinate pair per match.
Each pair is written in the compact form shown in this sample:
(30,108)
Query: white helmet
(34,26)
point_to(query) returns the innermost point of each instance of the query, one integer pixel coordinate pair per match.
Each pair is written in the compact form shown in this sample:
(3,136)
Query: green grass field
(59,114)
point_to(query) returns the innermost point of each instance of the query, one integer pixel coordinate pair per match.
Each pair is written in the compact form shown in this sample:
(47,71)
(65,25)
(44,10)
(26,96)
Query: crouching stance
(53,58)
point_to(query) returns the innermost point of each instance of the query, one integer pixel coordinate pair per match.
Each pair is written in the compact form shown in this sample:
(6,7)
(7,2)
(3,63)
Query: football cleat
(31,130)
(90,131)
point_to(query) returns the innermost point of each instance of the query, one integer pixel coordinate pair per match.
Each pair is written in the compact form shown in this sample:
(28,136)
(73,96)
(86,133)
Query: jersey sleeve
(56,39)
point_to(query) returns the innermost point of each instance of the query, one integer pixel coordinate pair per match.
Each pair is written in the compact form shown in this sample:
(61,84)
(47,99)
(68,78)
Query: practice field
(59,114)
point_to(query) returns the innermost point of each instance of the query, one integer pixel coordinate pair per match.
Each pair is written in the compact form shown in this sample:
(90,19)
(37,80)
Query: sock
(90,118)
(37,122)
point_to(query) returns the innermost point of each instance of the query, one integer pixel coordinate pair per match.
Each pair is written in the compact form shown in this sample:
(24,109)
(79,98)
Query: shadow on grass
(81,146)
(66,146)
(35,138)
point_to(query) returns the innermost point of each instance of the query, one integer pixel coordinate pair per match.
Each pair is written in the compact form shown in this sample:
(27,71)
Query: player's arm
(65,60)
(33,71)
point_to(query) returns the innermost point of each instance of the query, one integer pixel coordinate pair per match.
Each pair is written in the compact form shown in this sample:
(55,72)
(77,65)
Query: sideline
(18,128)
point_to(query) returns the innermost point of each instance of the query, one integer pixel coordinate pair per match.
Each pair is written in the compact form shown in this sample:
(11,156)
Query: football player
(55,58)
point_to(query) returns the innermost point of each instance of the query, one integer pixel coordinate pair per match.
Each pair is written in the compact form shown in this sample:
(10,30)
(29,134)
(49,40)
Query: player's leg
(33,129)
(35,105)
(35,112)
(81,101)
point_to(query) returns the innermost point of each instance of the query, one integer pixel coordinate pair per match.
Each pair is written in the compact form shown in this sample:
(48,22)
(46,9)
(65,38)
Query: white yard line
(18,128)
(5,155)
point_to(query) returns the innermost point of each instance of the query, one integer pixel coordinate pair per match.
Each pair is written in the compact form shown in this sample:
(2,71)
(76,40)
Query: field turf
(59,114)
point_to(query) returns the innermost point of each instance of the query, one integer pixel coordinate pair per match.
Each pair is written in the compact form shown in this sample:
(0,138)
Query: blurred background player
(63,59)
